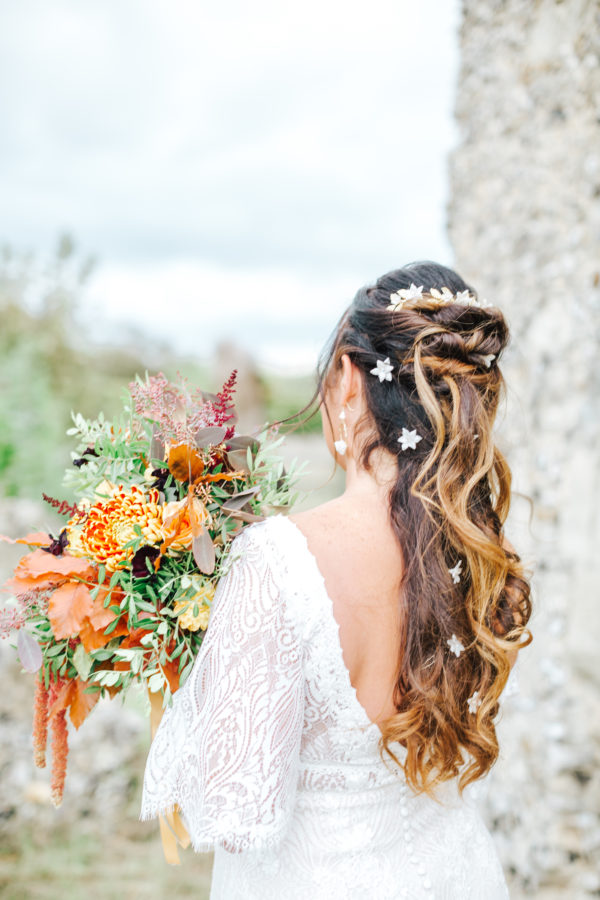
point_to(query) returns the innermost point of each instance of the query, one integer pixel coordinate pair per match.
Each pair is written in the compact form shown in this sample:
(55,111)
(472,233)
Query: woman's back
(359,557)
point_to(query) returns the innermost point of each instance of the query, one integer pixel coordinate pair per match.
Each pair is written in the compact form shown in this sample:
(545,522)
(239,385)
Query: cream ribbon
(172,829)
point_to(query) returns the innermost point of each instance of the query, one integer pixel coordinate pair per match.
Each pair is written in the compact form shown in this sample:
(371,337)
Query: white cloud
(303,140)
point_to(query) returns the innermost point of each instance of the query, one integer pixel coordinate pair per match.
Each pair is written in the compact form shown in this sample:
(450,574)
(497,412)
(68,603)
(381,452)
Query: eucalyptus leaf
(82,662)
(155,682)
(237,501)
(238,460)
(242,442)
(203,550)
(245,516)
(157,448)
(29,651)
(210,436)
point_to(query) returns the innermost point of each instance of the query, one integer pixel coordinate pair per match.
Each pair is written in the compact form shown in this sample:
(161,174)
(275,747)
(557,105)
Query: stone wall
(524,221)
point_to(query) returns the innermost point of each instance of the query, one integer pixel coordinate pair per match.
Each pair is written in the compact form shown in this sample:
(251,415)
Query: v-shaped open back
(319,579)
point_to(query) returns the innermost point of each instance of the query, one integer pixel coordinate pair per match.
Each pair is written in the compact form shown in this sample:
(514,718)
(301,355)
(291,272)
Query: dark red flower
(83,460)
(142,559)
(57,545)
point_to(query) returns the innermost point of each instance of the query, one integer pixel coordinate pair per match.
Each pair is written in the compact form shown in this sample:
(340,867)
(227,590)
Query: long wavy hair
(448,505)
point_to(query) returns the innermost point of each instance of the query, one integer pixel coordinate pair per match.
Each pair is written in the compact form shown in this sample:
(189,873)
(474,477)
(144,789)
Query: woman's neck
(375,483)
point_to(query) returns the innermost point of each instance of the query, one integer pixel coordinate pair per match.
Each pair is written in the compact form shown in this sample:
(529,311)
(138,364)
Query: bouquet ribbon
(172,829)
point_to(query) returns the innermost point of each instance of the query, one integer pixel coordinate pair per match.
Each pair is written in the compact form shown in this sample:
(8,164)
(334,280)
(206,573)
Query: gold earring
(342,445)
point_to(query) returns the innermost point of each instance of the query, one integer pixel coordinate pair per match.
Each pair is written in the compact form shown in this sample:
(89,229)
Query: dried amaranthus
(60,751)
(40,724)
(60,745)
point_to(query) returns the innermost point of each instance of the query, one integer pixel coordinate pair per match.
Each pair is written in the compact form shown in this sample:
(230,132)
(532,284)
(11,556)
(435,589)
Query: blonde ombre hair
(449,504)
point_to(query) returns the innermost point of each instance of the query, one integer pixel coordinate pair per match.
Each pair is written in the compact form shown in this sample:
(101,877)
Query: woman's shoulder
(276,550)
(276,542)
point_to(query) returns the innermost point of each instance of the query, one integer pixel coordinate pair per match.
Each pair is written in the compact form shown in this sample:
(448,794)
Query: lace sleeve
(227,750)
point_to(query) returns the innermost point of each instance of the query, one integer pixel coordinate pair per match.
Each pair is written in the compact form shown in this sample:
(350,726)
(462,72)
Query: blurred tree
(48,367)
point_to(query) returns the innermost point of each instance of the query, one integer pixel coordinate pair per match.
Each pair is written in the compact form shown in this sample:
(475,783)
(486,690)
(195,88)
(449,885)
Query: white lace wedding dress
(274,763)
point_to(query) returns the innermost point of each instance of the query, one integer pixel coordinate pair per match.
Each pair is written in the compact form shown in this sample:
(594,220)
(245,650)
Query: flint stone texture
(524,222)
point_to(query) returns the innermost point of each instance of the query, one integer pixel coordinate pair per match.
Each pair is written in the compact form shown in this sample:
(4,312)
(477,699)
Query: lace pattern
(227,750)
(267,750)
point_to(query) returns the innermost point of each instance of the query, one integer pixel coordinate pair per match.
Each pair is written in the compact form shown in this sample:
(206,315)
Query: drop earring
(342,445)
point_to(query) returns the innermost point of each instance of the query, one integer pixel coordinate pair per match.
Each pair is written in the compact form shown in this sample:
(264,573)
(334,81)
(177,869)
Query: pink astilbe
(63,508)
(40,724)
(223,405)
(15,617)
(176,413)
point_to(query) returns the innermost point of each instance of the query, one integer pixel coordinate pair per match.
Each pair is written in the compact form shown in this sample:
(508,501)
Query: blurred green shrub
(49,366)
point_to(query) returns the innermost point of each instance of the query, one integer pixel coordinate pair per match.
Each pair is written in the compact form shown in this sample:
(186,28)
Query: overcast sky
(243,166)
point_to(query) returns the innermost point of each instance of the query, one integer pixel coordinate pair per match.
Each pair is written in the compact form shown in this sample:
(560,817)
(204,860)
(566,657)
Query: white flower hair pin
(455,645)
(383,370)
(474,702)
(444,296)
(409,439)
(404,295)
(456,572)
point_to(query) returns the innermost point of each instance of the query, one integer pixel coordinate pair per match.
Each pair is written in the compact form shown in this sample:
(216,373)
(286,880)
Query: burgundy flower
(57,545)
(160,477)
(139,564)
(83,460)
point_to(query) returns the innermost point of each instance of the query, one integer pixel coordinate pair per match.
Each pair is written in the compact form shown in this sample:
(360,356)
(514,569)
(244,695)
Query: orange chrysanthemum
(110,524)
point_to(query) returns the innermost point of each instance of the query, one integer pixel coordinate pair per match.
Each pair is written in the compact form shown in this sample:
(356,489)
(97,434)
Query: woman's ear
(350,381)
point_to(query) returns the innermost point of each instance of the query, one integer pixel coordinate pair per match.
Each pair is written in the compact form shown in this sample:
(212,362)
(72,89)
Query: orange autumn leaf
(102,616)
(91,633)
(171,669)
(95,638)
(36,539)
(72,696)
(68,608)
(82,703)
(185,463)
(39,570)
(121,665)
(62,698)
(223,476)
(134,638)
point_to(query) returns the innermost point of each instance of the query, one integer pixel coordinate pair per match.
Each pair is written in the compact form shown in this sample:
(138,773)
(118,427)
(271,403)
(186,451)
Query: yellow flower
(185,608)
(105,490)
(111,523)
(76,548)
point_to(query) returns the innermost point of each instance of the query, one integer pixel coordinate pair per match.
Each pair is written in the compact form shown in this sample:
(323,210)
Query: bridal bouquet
(122,594)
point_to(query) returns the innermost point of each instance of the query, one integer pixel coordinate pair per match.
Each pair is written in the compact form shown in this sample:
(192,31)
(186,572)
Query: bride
(343,703)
